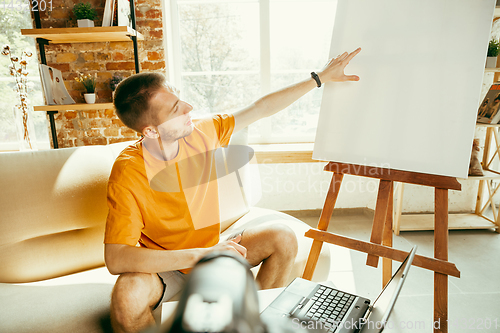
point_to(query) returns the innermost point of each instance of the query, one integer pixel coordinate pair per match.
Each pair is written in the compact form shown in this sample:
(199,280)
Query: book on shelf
(124,17)
(109,9)
(53,86)
(489,109)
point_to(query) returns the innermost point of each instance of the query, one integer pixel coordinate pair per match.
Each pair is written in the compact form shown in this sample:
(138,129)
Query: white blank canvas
(421,70)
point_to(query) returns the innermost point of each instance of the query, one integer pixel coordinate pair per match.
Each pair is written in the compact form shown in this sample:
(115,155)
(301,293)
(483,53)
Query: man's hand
(231,245)
(334,70)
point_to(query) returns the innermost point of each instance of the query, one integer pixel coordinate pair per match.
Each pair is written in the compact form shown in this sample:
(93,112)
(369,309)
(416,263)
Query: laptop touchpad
(286,302)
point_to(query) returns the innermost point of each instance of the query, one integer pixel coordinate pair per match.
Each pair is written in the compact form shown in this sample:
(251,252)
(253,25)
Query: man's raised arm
(279,100)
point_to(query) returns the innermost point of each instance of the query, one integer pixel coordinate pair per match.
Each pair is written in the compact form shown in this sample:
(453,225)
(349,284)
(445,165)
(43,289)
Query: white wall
(304,186)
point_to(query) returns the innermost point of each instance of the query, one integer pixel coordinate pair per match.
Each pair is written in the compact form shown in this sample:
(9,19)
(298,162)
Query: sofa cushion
(76,303)
(53,211)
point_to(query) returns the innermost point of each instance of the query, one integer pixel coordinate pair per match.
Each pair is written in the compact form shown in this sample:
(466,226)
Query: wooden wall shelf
(84,35)
(488,175)
(492,70)
(420,222)
(78,106)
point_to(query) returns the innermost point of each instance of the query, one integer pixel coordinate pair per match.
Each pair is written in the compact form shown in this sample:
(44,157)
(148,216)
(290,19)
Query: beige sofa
(52,215)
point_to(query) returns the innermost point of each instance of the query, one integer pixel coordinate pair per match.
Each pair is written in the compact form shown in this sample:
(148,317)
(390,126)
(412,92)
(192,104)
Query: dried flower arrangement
(18,69)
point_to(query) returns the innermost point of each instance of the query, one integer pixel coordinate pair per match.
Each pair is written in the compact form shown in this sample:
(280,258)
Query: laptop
(315,307)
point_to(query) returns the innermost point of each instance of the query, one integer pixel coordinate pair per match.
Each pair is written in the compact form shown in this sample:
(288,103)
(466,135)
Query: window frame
(173,59)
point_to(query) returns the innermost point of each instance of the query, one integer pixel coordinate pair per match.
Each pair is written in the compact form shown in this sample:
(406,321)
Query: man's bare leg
(132,301)
(276,247)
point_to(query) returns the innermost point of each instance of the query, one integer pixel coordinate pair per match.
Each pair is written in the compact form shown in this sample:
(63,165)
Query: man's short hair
(132,99)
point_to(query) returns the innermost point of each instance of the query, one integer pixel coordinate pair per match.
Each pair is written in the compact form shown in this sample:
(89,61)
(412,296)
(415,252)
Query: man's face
(172,114)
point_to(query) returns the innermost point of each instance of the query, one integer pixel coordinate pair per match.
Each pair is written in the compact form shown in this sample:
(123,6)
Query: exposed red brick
(127,132)
(57,12)
(100,56)
(105,94)
(94,141)
(90,113)
(89,56)
(116,140)
(117,122)
(120,45)
(156,33)
(70,115)
(61,67)
(153,56)
(43,14)
(66,143)
(59,4)
(154,24)
(153,65)
(111,132)
(72,133)
(53,23)
(123,65)
(118,56)
(109,113)
(97,127)
(104,76)
(70,78)
(153,45)
(93,133)
(86,66)
(83,47)
(153,14)
(57,48)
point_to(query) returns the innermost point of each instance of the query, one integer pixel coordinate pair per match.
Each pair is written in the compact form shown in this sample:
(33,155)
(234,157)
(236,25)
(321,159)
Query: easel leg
(384,190)
(441,252)
(399,208)
(324,221)
(387,239)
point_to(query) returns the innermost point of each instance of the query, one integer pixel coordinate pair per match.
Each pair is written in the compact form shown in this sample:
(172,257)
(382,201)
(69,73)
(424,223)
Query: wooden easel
(380,244)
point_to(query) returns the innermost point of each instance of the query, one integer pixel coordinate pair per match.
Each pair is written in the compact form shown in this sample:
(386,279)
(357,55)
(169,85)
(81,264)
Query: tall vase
(25,129)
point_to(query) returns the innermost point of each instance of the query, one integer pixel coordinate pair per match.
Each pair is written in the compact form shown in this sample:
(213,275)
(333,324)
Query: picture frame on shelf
(54,90)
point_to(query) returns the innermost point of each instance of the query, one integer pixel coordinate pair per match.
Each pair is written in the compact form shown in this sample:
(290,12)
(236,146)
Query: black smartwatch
(316,78)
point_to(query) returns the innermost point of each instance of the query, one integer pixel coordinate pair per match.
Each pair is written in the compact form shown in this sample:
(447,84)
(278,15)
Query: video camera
(221,296)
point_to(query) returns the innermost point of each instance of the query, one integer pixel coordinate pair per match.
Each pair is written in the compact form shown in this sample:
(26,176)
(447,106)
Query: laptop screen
(382,307)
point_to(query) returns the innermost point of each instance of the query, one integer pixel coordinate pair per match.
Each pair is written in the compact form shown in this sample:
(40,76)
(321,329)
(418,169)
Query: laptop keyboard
(330,307)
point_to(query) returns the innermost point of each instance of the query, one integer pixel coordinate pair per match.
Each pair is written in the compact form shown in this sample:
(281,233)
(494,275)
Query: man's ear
(150,132)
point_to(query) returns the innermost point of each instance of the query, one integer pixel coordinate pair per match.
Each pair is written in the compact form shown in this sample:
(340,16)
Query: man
(161,195)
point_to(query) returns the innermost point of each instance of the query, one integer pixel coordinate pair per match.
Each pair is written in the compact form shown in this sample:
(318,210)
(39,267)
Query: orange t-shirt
(170,205)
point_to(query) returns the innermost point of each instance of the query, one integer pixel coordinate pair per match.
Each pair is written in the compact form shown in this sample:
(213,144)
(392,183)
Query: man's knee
(284,239)
(134,293)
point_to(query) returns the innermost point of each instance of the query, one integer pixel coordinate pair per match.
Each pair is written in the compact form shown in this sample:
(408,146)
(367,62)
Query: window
(225,54)
(12,20)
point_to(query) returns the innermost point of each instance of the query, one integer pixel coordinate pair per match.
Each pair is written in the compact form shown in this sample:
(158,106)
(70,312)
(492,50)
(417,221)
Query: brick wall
(100,127)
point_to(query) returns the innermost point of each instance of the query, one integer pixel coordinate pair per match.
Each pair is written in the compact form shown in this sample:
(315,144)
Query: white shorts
(173,282)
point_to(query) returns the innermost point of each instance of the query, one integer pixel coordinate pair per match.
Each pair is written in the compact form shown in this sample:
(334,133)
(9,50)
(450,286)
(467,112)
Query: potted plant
(89,82)
(493,50)
(85,14)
